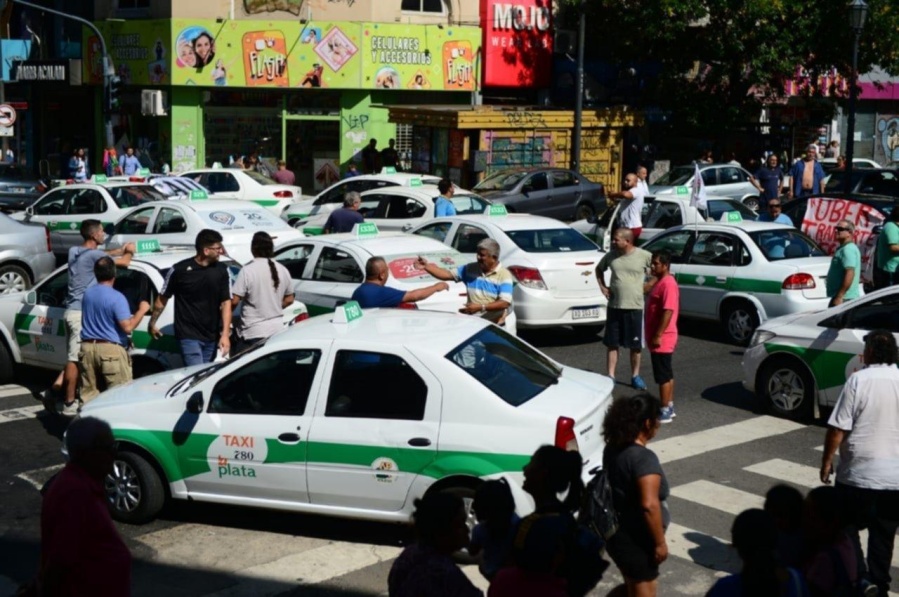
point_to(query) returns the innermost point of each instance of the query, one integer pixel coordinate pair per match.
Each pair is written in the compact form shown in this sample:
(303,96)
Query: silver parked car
(25,255)
(721,181)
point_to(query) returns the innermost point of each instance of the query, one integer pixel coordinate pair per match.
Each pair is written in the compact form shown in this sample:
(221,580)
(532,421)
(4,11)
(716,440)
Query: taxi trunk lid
(816,267)
(570,275)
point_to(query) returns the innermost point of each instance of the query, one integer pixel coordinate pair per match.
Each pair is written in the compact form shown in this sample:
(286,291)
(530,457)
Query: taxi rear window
(402,266)
(554,240)
(505,365)
(785,244)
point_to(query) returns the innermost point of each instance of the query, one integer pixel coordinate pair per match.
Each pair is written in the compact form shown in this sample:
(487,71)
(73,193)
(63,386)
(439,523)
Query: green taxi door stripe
(827,366)
(265,202)
(21,322)
(734,284)
(69,226)
(145,341)
(760,286)
(313,230)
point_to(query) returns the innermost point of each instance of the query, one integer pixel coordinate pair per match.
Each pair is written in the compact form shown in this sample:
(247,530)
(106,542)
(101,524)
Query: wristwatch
(483,308)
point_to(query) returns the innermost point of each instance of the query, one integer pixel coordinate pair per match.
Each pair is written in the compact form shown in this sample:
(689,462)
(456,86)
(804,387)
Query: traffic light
(114,88)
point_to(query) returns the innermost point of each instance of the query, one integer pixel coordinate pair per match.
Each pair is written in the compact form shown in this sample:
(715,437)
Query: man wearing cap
(774,213)
(807,175)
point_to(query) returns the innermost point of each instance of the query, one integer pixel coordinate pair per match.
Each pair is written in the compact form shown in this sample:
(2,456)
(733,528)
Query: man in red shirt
(82,553)
(662,307)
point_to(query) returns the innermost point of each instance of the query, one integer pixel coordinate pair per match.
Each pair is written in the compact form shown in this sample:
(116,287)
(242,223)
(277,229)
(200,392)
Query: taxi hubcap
(740,324)
(11,282)
(786,389)
(123,487)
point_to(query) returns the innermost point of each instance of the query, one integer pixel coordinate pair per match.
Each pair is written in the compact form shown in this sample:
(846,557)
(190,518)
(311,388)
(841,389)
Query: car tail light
(47,234)
(136,179)
(565,437)
(799,282)
(528,277)
(299,318)
(283,194)
(407,306)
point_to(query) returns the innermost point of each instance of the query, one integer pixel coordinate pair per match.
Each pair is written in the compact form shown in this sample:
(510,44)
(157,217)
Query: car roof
(867,199)
(100,185)
(510,221)
(384,243)
(420,330)
(402,178)
(745,225)
(168,256)
(425,191)
(203,204)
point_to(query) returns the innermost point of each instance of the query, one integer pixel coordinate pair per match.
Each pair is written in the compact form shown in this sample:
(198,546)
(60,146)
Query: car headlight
(760,337)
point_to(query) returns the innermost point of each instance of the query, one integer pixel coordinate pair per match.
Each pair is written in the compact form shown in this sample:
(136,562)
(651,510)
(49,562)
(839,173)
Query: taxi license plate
(588,313)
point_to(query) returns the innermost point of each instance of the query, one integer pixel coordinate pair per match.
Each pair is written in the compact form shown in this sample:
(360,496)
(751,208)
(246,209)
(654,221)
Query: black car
(18,188)
(867,181)
(551,192)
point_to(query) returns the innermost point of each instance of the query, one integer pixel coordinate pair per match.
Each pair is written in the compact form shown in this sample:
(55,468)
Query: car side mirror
(29,211)
(31,298)
(195,403)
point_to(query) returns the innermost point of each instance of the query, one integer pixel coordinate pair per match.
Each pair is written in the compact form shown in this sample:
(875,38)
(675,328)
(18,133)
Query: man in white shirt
(865,426)
(643,179)
(631,213)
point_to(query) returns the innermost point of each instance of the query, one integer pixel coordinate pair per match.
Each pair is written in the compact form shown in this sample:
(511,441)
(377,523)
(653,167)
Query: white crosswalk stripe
(725,436)
(13,390)
(20,414)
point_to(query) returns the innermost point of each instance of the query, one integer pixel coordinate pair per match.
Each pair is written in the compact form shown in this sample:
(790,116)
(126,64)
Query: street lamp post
(579,88)
(858,10)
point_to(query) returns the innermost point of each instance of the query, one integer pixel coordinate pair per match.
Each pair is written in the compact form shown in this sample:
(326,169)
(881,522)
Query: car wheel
(6,364)
(584,211)
(134,489)
(787,389)
(740,321)
(13,279)
(752,203)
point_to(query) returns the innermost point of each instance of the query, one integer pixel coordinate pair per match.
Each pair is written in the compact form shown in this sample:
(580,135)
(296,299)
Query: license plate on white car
(586,313)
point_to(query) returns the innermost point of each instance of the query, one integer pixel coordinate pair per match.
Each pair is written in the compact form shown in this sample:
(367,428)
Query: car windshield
(501,181)
(675,177)
(554,240)
(130,196)
(784,243)
(242,217)
(263,180)
(176,185)
(837,180)
(196,377)
(717,207)
(402,265)
(505,365)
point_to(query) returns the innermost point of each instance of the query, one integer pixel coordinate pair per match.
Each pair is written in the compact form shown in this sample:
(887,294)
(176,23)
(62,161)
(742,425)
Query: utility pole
(579,88)
(108,70)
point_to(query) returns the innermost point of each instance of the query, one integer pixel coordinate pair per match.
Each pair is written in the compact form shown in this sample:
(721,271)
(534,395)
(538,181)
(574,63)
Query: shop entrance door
(313,153)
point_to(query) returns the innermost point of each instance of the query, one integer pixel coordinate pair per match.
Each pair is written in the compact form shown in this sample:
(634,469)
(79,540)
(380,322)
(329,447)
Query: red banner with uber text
(822,214)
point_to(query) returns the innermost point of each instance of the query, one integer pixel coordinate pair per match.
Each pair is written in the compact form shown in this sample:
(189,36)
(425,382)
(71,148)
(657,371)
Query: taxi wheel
(6,364)
(134,489)
(13,279)
(752,203)
(787,389)
(740,321)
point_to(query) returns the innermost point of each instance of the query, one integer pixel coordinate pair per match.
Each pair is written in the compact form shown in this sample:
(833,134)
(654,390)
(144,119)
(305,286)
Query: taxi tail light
(136,179)
(407,306)
(565,437)
(528,277)
(47,234)
(799,282)
(283,194)
(299,318)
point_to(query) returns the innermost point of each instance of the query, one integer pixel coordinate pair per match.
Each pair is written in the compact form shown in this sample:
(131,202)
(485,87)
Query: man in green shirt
(887,271)
(845,267)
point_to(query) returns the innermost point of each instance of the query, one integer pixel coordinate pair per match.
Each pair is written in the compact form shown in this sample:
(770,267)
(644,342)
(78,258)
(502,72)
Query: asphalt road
(721,455)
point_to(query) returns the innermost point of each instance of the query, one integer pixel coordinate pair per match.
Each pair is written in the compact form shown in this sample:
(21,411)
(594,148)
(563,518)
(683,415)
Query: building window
(435,6)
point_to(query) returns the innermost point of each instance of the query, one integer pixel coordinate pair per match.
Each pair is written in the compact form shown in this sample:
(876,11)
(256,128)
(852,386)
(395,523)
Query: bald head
(624,234)
(642,173)
(376,270)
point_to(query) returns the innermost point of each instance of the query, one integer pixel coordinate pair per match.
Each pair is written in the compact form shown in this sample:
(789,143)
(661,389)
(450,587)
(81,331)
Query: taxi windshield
(554,240)
(505,365)
(402,266)
(263,180)
(784,243)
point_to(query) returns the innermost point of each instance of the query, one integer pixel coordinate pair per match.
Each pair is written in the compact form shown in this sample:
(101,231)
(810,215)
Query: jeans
(197,352)
(878,511)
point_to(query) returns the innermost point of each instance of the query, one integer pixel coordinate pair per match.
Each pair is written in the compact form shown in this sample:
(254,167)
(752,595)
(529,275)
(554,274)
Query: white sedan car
(356,415)
(332,197)
(552,263)
(178,222)
(327,269)
(247,185)
(796,361)
(399,209)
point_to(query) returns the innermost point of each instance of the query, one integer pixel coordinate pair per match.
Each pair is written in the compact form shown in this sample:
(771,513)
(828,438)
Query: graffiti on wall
(886,138)
(513,149)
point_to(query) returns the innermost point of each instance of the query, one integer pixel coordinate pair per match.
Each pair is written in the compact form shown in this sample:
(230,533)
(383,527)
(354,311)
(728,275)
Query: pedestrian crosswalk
(697,538)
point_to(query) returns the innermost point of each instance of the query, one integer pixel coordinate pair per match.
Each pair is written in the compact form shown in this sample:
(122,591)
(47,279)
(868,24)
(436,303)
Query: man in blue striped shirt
(489,284)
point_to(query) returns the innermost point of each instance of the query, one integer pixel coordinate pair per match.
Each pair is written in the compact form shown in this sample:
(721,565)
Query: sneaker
(667,414)
(638,383)
(868,588)
(69,410)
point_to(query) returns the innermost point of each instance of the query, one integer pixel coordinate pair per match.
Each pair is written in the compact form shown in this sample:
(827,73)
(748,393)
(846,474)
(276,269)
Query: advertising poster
(518,42)
(140,52)
(886,138)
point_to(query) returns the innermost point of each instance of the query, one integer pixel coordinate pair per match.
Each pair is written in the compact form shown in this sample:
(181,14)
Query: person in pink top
(662,307)
(283,175)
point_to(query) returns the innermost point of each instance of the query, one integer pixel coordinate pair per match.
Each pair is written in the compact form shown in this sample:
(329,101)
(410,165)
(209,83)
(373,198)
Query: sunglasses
(841,229)
(774,206)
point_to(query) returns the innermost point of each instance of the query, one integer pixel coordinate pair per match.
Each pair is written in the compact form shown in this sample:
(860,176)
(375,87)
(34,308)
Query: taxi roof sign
(347,312)
(198,195)
(388,170)
(365,230)
(99,178)
(150,245)
(683,190)
(143,172)
(731,217)
(415,182)
(496,210)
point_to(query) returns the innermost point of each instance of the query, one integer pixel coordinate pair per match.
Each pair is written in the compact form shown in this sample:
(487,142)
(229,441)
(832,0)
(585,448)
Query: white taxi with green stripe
(353,414)
(32,328)
(246,185)
(797,362)
(741,273)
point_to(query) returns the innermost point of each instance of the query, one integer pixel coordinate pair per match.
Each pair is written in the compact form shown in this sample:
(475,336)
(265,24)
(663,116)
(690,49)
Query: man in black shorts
(624,322)
(662,308)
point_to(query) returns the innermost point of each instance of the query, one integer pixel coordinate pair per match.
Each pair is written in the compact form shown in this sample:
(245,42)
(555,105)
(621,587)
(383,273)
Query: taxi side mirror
(29,211)
(195,403)
(31,298)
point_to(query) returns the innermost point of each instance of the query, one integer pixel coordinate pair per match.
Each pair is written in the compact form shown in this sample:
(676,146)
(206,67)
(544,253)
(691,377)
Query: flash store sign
(517,43)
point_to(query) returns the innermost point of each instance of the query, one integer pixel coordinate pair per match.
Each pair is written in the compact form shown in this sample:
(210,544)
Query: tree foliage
(721,59)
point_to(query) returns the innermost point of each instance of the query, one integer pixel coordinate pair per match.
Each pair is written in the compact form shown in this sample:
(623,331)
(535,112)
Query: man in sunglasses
(845,267)
(774,213)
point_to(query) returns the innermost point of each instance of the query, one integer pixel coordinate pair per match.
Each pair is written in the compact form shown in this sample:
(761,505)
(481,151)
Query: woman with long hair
(265,287)
(639,490)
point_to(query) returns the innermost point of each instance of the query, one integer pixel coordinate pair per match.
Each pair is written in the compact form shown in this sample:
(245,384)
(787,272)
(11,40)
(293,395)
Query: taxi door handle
(289,438)
(419,442)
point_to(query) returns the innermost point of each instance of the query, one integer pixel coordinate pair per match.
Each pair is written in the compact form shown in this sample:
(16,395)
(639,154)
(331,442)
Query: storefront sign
(517,42)
(44,71)
(140,52)
(338,55)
